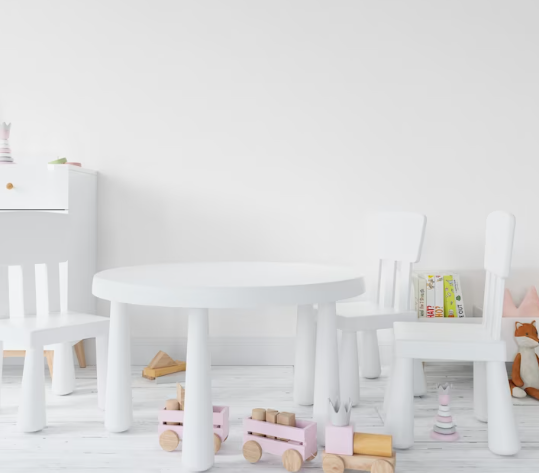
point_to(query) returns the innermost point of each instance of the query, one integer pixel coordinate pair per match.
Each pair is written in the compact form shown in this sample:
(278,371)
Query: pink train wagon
(171,427)
(293,444)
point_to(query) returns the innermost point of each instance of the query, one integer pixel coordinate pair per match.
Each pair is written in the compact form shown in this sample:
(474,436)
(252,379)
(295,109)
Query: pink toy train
(294,444)
(171,427)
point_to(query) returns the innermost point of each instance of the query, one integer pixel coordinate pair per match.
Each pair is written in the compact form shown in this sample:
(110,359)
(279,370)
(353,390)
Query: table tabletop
(228,284)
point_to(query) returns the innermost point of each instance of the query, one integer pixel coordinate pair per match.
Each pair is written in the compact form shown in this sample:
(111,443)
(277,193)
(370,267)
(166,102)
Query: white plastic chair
(456,341)
(33,276)
(400,239)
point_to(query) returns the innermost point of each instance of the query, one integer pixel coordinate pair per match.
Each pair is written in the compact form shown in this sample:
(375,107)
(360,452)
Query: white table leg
(198,449)
(420,381)
(399,417)
(326,384)
(63,381)
(305,355)
(119,403)
(480,399)
(349,366)
(101,354)
(32,416)
(370,355)
(502,428)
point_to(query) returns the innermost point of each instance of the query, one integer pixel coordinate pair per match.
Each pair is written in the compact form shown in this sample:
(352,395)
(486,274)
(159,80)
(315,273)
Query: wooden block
(180,396)
(271,417)
(337,464)
(286,418)
(152,373)
(259,414)
(172,405)
(161,360)
(373,444)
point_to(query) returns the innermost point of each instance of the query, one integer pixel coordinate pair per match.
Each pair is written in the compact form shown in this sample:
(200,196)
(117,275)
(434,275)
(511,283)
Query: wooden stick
(81,356)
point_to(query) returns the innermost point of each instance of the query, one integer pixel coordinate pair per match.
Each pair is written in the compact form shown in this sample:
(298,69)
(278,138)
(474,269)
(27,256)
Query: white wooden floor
(75,439)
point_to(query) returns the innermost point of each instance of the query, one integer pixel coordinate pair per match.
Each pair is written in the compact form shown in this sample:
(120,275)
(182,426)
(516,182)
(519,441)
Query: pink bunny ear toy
(529,307)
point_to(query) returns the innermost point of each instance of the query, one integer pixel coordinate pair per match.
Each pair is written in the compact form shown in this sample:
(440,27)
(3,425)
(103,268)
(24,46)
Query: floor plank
(76,441)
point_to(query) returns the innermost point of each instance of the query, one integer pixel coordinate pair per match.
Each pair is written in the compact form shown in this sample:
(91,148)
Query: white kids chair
(33,276)
(400,239)
(454,341)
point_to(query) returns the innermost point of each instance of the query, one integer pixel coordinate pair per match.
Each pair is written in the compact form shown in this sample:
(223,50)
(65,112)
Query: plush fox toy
(525,375)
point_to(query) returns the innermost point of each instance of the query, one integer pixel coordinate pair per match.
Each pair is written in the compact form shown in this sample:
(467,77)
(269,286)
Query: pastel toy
(444,428)
(294,440)
(171,423)
(525,374)
(346,449)
(5,151)
(529,307)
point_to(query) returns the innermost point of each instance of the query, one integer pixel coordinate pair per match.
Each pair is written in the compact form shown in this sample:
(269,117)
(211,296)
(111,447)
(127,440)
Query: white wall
(273,130)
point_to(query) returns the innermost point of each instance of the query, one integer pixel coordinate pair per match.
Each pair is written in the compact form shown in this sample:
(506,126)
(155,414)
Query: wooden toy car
(171,427)
(294,444)
(332,463)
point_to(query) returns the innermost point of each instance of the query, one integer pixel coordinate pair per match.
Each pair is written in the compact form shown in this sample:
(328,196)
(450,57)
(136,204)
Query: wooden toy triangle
(161,360)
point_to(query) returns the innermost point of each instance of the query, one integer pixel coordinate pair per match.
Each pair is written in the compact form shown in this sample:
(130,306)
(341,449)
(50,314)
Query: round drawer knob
(9,186)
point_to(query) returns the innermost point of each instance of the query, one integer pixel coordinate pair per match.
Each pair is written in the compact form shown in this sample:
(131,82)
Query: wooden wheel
(333,464)
(312,457)
(216,443)
(169,440)
(382,466)
(252,451)
(292,460)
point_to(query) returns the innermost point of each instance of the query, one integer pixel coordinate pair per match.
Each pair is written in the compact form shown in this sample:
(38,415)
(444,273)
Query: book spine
(429,282)
(459,302)
(415,287)
(439,296)
(422,298)
(450,308)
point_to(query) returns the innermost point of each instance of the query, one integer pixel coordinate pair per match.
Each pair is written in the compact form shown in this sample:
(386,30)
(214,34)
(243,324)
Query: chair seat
(447,341)
(359,316)
(31,331)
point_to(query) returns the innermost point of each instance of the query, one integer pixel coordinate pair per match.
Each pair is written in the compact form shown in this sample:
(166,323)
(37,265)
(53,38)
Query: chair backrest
(400,239)
(498,251)
(33,263)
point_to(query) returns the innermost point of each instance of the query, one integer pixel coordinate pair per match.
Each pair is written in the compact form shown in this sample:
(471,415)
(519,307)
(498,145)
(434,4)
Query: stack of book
(438,295)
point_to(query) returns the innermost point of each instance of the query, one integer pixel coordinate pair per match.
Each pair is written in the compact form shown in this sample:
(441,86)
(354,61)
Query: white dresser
(64,188)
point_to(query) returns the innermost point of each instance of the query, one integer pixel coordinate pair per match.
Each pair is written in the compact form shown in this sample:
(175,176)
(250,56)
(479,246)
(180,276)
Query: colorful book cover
(459,302)
(429,283)
(439,296)
(450,307)
(422,298)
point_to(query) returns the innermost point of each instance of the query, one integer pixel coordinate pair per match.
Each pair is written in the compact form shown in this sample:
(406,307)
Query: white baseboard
(224,350)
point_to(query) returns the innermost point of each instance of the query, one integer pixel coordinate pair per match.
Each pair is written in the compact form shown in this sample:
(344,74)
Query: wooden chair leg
(79,351)
(49,354)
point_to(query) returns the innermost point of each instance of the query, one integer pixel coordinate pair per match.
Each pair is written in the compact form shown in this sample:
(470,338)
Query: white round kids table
(202,286)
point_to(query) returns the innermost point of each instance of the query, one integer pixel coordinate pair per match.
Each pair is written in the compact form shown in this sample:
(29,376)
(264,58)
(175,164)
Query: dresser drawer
(33,187)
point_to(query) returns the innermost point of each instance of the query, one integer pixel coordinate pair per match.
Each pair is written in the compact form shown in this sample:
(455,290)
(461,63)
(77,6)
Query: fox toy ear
(533,323)
(518,325)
